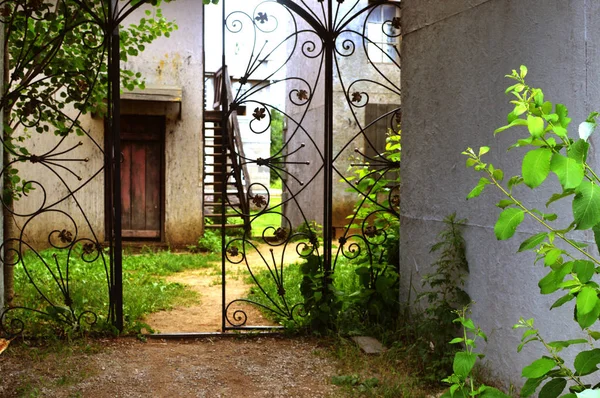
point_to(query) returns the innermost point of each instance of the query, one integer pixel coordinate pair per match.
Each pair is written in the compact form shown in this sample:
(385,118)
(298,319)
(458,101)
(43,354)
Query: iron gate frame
(328,31)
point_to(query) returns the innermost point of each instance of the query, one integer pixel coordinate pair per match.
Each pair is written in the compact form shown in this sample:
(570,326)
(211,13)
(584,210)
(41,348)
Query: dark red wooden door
(141,176)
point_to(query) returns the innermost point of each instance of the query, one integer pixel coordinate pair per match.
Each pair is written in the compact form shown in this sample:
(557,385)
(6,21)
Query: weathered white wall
(174,61)
(177,61)
(455,55)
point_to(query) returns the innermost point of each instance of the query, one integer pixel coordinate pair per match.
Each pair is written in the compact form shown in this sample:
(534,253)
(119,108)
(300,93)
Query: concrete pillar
(454,57)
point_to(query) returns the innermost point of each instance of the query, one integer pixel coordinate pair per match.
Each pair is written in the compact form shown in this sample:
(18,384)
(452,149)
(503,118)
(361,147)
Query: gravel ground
(209,367)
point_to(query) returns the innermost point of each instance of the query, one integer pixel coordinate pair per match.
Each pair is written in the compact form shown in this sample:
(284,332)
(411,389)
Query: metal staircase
(225,177)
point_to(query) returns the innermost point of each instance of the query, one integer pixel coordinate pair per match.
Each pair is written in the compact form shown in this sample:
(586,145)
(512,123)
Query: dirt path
(223,367)
(205,316)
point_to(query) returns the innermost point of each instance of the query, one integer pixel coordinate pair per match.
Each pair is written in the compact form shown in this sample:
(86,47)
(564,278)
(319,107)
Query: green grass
(344,277)
(145,288)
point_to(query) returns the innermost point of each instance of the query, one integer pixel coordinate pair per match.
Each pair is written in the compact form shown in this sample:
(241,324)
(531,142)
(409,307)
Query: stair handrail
(234,140)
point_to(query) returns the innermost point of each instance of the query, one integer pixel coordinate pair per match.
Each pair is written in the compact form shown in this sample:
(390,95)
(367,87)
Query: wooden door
(141,176)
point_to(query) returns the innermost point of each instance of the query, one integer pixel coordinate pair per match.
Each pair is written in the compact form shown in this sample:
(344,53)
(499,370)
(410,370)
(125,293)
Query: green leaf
(508,222)
(587,299)
(578,151)
(479,188)
(570,173)
(566,343)
(585,270)
(504,203)
(586,206)
(587,320)
(491,392)
(536,166)
(586,362)
(533,241)
(552,282)
(596,229)
(464,363)
(558,196)
(515,122)
(535,126)
(538,368)
(523,71)
(531,385)
(553,388)
(563,114)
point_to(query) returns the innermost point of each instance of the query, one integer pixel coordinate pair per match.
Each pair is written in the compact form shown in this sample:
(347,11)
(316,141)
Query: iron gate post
(114,109)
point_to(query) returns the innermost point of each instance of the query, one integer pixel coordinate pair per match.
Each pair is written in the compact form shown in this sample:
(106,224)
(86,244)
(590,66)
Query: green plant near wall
(572,269)
(444,295)
(462,381)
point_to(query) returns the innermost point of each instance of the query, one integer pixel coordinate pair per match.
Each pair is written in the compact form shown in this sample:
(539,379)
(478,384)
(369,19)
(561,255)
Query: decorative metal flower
(259,200)
(65,236)
(89,248)
(280,233)
(233,251)
(396,23)
(261,17)
(281,291)
(356,96)
(259,113)
(302,95)
(342,241)
(371,231)
(395,200)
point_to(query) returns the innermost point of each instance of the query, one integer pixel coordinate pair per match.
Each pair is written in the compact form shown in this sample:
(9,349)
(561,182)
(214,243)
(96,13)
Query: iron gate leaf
(586,362)
(553,388)
(569,172)
(536,166)
(507,223)
(538,368)
(586,206)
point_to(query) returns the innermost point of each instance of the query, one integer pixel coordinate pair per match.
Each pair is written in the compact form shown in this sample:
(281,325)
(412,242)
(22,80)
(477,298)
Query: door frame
(108,184)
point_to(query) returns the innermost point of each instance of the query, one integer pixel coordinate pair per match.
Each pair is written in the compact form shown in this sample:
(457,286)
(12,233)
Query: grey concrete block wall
(454,58)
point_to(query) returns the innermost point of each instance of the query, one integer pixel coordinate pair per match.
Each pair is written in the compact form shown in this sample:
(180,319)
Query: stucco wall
(177,61)
(455,54)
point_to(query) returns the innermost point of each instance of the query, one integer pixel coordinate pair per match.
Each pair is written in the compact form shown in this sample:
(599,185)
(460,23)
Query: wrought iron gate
(337,62)
(52,84)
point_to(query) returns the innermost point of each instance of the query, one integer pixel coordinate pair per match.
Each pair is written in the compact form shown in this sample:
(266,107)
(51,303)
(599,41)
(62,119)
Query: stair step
(217,183)
(217,204)
(228,215)
(217,226)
